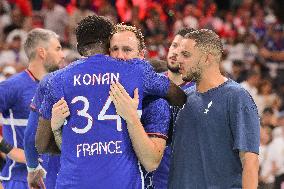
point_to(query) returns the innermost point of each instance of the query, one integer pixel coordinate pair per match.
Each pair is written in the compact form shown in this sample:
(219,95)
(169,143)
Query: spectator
(55,18)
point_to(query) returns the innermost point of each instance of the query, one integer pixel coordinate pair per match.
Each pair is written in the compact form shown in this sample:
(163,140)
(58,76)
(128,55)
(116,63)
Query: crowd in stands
(251,34)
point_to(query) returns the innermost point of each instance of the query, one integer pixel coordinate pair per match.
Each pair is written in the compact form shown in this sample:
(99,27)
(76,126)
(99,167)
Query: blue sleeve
(153,83)
(53,93)
(244,122)
(7,95)
(156,117)
(38,98)
(29,140)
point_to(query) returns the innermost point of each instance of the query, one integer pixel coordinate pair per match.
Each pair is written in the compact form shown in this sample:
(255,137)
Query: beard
(193,75)
(51,67)
(174,69)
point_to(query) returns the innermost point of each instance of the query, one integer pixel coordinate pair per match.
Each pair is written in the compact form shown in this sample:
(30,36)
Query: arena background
(251,31)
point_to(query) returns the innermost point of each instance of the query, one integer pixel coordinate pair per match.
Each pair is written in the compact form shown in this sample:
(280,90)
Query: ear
(210,59)
(41,52)
(141,54)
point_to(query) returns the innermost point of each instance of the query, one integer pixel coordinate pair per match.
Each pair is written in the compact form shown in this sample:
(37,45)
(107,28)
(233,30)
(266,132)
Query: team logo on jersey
(208,106)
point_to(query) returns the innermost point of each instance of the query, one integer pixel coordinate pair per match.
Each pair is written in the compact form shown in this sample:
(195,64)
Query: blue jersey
(223,121)
(161,174)
(96,149)
(16,94)
(50,163)
(156,120)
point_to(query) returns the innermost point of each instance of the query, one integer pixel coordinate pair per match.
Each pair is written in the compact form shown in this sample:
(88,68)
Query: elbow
(151,166)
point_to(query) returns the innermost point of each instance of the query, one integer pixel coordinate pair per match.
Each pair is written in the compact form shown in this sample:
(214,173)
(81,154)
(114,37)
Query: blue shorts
(13,184)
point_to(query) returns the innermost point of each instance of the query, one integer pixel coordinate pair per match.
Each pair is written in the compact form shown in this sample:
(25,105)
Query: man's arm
(273,55)
(60,112)
(15,154)
(148,150)
(250,170)
(175,95)
(45,142)
(159,85)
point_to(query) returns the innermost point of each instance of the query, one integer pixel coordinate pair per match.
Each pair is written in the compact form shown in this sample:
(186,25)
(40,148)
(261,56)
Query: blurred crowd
(250,31)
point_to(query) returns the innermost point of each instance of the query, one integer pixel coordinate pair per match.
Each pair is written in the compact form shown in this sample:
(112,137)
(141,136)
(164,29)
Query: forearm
(17,155)
(148,150)
(29,140)
(58,137)
(45,142)
(250,172)
(277,56)
(175,95)
(13,153)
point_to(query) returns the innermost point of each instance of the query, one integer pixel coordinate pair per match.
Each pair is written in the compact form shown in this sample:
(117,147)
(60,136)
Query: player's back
(16,94)
(96,149)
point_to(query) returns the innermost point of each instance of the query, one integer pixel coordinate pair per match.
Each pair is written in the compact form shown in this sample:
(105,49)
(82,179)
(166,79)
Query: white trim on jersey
(142,175)
(15,145)
(16,122)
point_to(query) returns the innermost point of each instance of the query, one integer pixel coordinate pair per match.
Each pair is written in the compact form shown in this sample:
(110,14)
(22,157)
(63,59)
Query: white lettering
(78,149)
(76,80)
(97,78)
(105,78)
(85,79)
(86,147)
(117,145)
(114,78)
(99,148)
(111,142)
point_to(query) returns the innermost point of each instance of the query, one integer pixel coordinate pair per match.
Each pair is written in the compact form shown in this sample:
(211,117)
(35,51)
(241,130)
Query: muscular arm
(45,142)
(250,170)
(148,150)
(15,154)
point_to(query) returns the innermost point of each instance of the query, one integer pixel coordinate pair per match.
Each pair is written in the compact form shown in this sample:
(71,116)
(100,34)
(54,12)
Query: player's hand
(35,179)
(125,106)
(60,112)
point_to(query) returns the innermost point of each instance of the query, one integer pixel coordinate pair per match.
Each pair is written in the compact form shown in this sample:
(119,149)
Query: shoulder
(155,104)
(16,81)
(235,89)
(190,90)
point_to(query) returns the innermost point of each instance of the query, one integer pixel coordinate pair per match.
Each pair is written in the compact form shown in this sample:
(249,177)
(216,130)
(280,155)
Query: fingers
(121,88)
(115,90)
(136,95)
(60,102)
(41,184)
(113,97)
(61,109)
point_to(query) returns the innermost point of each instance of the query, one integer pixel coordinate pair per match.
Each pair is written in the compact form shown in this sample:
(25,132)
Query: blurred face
(54,55)
(172,63)
(124,45)
(190,61)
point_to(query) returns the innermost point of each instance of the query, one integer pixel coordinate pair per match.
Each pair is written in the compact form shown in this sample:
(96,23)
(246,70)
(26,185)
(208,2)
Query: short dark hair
(182,32)
(207,41)
(93,30)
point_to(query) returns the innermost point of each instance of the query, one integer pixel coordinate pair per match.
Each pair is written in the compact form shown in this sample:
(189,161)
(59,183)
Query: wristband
(5,147)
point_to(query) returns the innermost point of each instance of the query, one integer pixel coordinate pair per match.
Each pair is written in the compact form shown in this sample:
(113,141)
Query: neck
(37,69)
(175,77)
(210,80)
